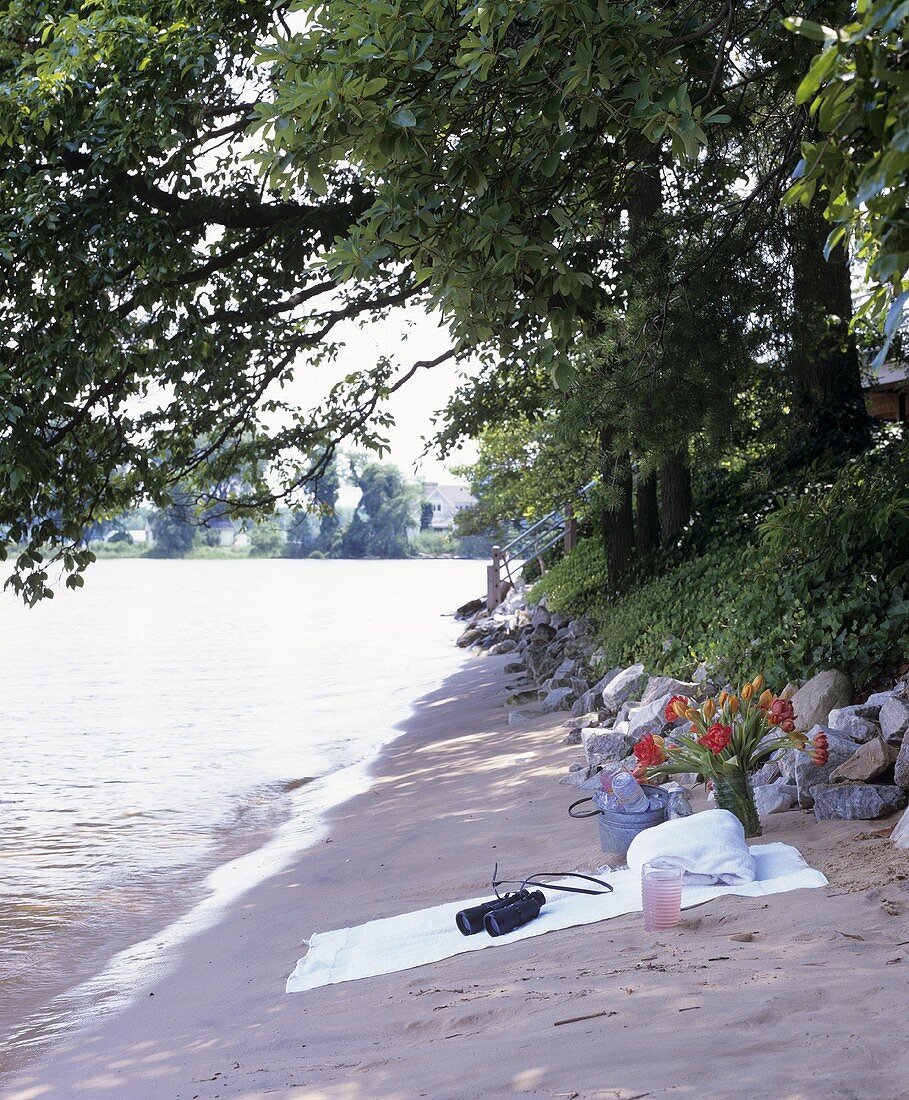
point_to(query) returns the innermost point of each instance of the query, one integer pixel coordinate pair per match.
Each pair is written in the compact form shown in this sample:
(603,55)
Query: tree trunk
(675,491)
(826,384)
(647,516)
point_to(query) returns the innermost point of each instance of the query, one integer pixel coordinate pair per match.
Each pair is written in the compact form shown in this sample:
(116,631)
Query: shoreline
(456,791)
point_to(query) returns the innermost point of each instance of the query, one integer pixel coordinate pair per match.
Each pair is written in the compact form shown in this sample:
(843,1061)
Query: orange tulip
(709,709)
(747,692)
(733,704)
(758,682)
(724,695)
(766,698)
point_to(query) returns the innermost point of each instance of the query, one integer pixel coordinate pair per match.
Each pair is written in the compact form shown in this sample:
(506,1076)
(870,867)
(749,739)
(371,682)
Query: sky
(407,336)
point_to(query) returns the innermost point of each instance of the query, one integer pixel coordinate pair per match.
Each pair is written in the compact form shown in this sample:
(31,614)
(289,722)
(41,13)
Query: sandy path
(813,1005)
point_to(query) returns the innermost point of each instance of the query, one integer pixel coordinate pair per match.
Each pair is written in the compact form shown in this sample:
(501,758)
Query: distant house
(447,501)
(885,391)
(223,530)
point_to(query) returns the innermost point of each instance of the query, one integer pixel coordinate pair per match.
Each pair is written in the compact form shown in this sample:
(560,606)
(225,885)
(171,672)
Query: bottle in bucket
(661,894)
(628,793)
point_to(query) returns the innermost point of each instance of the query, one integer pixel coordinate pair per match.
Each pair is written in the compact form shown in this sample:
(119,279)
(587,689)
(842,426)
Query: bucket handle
(580,801)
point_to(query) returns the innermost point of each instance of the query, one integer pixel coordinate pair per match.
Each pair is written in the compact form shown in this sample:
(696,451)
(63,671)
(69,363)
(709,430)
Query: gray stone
(471,634)
(505,646)
(867,762)
(659,686)
(701,674)
(797,767)
(602,745)
(572,779)
(583,721)
(573,737)
(867,710)
(894,720)
(774,799)
(823,693)
(881,697)
(558,621)
(567,669)
(856,801)
(524,714)
(626,685)
(515,666)
(558,699)
(586,702)
(543,633)
(581,627)
(540,615)
(900,834)
(768,773)
(845,720)
(648,718)
(901,769)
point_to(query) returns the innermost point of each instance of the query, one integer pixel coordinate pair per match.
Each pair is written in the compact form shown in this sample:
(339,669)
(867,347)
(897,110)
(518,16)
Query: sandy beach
(800,995)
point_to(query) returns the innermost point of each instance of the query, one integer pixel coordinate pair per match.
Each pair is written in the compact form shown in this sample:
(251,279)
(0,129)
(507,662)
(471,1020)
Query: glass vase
(735,793)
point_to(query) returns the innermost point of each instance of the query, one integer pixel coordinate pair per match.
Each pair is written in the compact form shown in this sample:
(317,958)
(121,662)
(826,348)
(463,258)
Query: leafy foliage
(857,90)
(819,582)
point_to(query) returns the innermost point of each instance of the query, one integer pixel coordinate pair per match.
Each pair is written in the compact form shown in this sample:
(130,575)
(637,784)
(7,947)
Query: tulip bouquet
(729,737)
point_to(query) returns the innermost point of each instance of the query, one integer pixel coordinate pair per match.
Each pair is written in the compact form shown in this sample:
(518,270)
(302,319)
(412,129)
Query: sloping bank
(560,668)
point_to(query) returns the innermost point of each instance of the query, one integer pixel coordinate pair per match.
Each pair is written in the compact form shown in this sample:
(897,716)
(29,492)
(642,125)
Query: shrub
(818,582)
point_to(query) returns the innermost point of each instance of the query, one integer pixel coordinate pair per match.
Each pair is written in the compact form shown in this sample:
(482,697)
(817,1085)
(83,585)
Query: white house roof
(454,494)
(888,374)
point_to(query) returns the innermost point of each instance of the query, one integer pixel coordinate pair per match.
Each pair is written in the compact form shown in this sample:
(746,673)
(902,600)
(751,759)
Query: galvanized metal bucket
(617,827)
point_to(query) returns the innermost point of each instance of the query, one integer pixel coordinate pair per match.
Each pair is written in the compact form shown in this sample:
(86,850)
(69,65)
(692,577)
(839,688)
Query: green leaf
(403,116)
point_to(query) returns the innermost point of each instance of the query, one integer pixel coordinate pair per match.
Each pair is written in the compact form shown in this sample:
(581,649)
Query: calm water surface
(166,720)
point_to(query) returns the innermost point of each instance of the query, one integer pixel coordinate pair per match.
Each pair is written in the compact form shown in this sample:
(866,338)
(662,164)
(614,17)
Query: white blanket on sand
(709,847)
(414,939)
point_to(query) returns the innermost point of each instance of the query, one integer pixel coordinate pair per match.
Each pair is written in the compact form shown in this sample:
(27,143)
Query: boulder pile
(559,669)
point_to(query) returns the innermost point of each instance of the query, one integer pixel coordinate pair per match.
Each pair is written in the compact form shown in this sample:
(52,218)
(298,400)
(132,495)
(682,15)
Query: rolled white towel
(709,847)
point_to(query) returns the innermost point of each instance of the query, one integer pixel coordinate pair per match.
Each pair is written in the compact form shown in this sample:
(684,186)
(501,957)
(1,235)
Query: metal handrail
(557,514)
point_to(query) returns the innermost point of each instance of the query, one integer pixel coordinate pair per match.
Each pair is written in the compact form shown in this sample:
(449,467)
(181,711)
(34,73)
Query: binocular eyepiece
(501,915)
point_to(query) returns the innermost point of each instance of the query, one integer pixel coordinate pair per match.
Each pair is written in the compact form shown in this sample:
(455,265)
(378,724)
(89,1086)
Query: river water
(169,734)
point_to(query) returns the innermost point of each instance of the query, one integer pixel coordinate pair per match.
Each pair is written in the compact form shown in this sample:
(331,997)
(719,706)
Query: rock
(544,633)
(881,697)
(505,646)
(866,763)
(823,693)
(524,714)
(566,669)
(900,835)
(602,745)
(856,801)
(701,674)
(572,779)
(581,627)
(584,721)
(470,635)
(901,769)
(796,766)
(658,686)
(540,615)
(769,773)
(573,737)
(515,666)
(648,718)
(470,608)
(774,799)
(846,720)
(894,720)
(625,685)
(558,699)
(586,703)
(557,621)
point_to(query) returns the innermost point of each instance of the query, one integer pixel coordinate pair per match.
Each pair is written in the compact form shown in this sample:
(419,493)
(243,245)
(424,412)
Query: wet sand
(799,995)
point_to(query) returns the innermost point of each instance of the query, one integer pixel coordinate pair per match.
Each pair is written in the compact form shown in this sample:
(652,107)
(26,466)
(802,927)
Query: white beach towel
(709,847)
(414,939)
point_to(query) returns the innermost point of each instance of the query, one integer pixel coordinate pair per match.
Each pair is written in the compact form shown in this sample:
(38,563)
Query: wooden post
(571,529)
(493,581)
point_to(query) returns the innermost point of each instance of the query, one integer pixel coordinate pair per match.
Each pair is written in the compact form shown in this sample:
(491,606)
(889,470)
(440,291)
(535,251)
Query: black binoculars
(501,915)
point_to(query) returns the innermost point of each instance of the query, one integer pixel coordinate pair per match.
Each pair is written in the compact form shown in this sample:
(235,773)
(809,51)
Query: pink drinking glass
(661,894)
